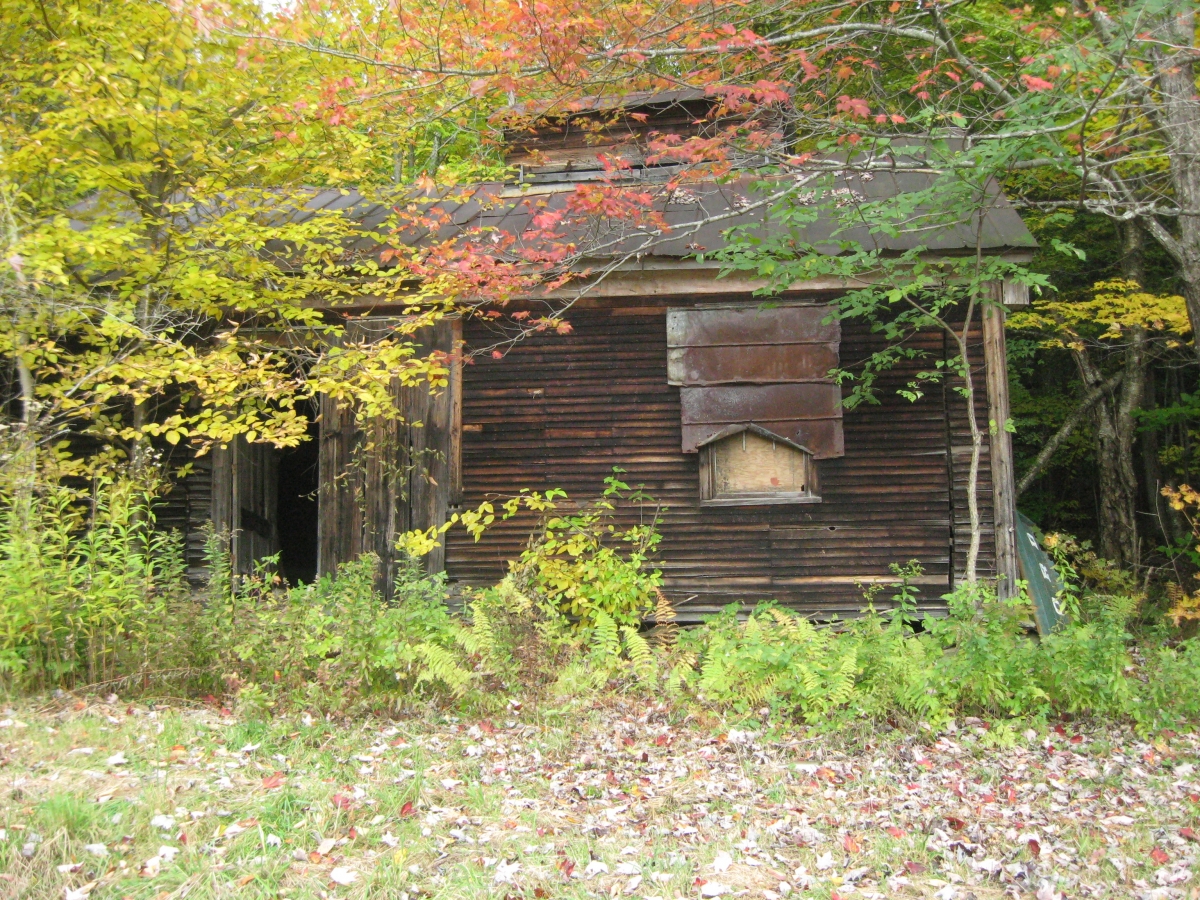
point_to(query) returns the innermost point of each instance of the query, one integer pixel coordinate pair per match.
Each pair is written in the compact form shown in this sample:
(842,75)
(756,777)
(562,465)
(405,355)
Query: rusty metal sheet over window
(767,366)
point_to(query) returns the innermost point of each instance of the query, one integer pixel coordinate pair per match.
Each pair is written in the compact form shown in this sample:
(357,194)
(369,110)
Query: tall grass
(86,584)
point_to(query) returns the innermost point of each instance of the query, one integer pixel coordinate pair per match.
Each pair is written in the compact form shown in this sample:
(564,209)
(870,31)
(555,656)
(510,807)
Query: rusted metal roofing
(697,216)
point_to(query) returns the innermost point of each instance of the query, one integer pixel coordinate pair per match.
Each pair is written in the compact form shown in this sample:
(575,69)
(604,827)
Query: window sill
(760,500)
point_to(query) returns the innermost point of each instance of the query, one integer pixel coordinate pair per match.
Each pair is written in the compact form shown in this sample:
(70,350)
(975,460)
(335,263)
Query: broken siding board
(893,478)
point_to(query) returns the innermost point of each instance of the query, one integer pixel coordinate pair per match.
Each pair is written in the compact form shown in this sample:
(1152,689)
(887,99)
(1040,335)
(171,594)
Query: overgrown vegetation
(88,583)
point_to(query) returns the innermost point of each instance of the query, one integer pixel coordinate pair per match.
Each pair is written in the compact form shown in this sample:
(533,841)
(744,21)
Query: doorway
(299,479)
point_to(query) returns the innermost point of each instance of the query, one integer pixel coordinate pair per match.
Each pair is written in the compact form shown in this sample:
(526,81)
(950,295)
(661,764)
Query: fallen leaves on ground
(623,799)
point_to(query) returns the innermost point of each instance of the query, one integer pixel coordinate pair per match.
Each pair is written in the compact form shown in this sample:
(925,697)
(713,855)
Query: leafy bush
(86,583)
(333,643)
(88,587)
(577,562)
(977,660)
(874,665)
(527,641)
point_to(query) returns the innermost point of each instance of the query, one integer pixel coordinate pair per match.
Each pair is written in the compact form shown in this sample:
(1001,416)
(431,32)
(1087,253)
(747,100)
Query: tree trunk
(1169,522)
(971,574)
(1179,125)
(1116,424)
(26,463)
(1118,489)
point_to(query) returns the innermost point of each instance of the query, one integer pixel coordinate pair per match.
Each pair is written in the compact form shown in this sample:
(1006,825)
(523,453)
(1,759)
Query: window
(752,466)
(757,400)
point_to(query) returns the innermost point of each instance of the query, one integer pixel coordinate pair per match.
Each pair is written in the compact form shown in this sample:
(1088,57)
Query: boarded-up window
(754,365)
(753,466)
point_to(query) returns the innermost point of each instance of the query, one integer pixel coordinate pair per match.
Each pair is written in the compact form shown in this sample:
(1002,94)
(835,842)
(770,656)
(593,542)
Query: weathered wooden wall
(390,475)
(563,410)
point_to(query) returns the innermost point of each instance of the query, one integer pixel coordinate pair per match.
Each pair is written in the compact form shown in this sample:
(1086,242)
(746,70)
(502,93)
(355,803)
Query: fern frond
(641,657)
(666,630)
(439,664)
(514,599)
(606,640)
(482,632)
(797,628)
(756,693)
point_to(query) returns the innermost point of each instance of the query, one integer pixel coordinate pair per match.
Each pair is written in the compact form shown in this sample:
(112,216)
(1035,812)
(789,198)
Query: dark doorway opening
(299,478)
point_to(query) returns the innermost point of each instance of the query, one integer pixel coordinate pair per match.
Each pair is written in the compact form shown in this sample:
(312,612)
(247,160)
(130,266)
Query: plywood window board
(750,466)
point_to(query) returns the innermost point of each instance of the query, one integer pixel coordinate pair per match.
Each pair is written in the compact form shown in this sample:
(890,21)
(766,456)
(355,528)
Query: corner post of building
(1004,489)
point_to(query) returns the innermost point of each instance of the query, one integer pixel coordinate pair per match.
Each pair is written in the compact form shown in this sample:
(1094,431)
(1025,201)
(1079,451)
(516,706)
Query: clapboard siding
(563,410)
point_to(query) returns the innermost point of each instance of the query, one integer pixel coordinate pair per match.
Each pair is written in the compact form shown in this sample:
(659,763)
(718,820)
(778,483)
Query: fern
(480,639)
(665,631)
(641,657)
(681,673)
(606,640)
(442,665)
(757,693)
(788,622)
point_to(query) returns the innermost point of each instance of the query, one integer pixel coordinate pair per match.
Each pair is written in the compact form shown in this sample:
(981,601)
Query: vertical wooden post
(431,446)
(456,379)
(1004,490)
(339,522)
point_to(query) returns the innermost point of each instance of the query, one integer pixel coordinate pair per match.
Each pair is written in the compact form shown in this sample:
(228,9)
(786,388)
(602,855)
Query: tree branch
(1043,458)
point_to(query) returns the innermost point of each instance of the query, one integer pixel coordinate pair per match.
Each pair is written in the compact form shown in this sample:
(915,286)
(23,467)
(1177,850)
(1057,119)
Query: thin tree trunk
(1128,401)
(976,447)
(26,463)
(1116,496)
(1172,525)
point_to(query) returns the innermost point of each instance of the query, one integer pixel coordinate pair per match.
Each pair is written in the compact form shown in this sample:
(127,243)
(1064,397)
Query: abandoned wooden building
(719,405)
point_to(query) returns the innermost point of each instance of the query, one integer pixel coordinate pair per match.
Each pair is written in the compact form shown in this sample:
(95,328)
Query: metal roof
(697,215)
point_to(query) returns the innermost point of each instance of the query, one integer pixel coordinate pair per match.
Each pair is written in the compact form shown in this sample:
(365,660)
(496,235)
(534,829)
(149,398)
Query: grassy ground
(110,800)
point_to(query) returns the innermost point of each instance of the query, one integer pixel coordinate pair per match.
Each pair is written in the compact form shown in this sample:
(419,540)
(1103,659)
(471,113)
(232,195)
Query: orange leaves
(1033,83)
(854,106)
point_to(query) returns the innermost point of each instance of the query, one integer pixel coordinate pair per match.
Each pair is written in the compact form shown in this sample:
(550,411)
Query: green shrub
(336,642)
(987,661)
(91,592)
(86,585)
(1167,694)
(873,666)
(979,659)
(585,565)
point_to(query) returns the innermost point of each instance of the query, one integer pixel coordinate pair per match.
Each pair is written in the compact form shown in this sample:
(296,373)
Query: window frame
(709,495)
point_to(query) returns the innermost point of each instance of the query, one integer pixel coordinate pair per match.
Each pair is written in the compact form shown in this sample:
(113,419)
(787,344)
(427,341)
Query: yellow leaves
(1183,498)
(1185,607)
(476,521)
(1113,309)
